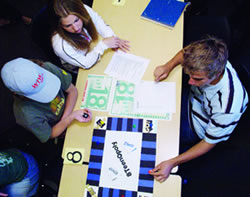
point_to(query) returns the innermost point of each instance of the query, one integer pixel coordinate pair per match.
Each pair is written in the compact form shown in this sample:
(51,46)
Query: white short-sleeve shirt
(215,110)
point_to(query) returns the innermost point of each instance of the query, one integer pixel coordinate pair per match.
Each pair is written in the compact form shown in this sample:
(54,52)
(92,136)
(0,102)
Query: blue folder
(164,12)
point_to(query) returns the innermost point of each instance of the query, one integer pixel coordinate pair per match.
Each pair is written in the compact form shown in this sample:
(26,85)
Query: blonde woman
(76,26)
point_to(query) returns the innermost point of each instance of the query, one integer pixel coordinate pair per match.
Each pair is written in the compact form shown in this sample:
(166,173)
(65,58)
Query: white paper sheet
(155,97)
(127,67)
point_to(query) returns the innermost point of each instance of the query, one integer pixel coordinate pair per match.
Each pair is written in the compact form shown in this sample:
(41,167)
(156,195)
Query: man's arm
(70,100)
(162,170)
(162,72)
(69,115)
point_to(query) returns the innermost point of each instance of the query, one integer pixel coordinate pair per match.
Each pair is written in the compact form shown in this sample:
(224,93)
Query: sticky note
(74,156)
(119,2)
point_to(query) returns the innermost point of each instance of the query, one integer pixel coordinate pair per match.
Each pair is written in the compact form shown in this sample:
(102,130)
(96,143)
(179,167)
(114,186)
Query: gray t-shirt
(39,118)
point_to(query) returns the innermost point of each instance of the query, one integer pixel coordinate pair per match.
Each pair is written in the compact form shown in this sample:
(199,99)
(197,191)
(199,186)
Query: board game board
(123,151)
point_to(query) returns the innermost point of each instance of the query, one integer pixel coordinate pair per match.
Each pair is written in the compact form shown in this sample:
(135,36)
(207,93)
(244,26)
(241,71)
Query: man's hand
(161,171)
(78,115)
(64,123)
(162,72)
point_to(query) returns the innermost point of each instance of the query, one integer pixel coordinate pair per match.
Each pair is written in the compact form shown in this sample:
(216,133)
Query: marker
(85,115)
(85,163)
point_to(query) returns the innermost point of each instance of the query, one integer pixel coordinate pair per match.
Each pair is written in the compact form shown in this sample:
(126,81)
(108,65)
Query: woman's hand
(112,42)
(117,43)
(124,45)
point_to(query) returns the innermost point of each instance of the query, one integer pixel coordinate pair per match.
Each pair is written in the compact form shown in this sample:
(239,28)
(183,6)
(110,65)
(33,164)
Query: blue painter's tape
(144,170)
(136,123)
(147,144)
(96,152)
(98,139)
(146,157)
(146,183)
(128,193)
(114,124)
(124,124)
(105,192)
(93,177)
(95,165)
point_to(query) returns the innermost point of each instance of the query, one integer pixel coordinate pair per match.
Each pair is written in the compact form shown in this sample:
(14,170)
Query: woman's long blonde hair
(63,8)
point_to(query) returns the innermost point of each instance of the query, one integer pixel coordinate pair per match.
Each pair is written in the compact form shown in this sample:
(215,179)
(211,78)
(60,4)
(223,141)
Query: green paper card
(97,92)
(122,103)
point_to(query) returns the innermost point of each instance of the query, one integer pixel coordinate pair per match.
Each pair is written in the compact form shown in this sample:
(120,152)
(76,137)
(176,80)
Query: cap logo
(38,81)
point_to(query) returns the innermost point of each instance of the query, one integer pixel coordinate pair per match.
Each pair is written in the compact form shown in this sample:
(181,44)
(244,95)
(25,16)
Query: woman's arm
(80,58)
(84,58)
(110,39)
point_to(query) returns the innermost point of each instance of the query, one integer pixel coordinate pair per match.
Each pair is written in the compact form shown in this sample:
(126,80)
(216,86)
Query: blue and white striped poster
(123,151)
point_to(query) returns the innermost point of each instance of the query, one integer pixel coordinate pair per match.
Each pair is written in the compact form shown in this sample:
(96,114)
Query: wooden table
(148,40)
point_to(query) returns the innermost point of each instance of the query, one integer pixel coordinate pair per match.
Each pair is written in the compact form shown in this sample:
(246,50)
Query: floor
(224,171)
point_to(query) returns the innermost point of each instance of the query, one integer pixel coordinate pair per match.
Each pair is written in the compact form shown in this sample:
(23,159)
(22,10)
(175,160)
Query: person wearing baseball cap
(40,104)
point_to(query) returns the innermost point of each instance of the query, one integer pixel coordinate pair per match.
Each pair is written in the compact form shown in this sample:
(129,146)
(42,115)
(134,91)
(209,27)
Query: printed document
(128,67)
(155,97)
